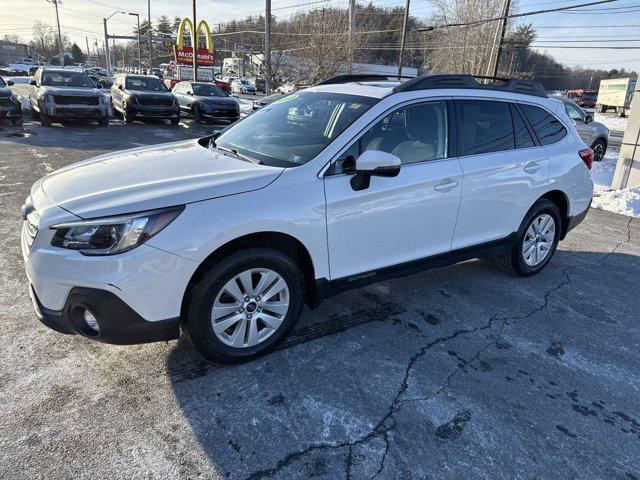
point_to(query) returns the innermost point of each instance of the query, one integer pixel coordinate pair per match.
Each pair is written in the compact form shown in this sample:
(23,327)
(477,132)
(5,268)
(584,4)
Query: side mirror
(374,162)
(99,85)
(33,82)
(10,83)
(588,117)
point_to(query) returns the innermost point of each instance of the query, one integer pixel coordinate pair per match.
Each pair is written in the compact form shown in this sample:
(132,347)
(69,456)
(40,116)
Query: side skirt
(328,288)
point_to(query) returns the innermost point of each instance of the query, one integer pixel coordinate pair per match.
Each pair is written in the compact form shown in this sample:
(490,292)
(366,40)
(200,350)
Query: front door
(402,218)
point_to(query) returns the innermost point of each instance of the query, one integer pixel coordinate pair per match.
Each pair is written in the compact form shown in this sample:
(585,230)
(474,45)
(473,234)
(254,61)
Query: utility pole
(352,29)
(55,4)
(149,33)
(86,39)
(267,44)
(194,43)
(139,43)
(106,47)
(404,38)
(494,63)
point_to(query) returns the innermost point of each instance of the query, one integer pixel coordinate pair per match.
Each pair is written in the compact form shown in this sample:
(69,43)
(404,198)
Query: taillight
(587,155)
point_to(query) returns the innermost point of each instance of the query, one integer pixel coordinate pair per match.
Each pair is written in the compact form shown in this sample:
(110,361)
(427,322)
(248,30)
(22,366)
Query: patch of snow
(48,168)
(612,122)
(626,202)
(602,171)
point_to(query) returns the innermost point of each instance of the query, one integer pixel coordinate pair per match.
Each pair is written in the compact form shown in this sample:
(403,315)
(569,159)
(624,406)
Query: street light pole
(149,33)
(106,40)
(404,38)
(267,45)
(139,43)
(194,43)
(60,47)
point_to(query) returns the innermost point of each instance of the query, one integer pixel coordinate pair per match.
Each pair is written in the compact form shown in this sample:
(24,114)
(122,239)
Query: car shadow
(333,399)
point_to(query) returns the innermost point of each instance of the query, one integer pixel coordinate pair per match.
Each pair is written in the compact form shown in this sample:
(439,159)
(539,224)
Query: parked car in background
(242,85)
(157,72)
(226,86)
(144,97)
(10,107)
(206,102)
(264,101)
(106,82)
(584,98)
(593,134)
(288,87)
(616,93)
(344,184)
(57,95)
(260,84)
(7,71)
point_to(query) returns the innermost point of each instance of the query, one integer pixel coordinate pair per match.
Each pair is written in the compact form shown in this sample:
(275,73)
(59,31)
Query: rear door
(403,218)
(503,167)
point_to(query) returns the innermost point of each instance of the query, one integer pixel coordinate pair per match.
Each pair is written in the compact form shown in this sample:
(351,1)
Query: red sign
(185,55)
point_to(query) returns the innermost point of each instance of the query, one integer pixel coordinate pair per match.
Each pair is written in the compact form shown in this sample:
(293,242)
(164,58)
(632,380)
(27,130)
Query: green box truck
(615,93)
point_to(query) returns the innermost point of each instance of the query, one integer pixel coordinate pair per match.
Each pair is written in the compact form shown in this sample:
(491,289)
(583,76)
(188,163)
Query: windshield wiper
(235,153)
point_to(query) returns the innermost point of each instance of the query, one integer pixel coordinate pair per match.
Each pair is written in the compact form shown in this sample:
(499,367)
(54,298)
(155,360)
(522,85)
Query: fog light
(90,320)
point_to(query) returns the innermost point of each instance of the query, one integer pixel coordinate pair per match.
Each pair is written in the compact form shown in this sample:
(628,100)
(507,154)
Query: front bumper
(77,112)
(118,323)
(11,112)
(152,112)
(213,118)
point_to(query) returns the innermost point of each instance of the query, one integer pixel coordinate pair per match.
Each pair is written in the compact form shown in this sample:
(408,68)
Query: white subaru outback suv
(353,181)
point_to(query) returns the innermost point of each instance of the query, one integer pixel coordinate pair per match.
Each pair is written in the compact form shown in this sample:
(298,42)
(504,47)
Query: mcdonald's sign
(184,54)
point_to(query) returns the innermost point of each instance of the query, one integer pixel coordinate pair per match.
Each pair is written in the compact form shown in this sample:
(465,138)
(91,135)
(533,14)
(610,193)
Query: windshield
(293,130)
(147,84)
(208,90)
(66,79)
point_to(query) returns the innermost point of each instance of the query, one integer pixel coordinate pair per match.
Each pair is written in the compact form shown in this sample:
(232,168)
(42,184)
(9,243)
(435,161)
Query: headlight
(48,98)
(109,236)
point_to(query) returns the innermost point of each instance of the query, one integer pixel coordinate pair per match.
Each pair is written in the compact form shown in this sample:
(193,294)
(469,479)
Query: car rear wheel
(599,148)
(536,241)
(45,121)
(244,305)
(196,114)
(103,122)
(17,121)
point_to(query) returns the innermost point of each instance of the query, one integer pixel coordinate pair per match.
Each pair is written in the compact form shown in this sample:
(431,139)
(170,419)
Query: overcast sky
(613,24)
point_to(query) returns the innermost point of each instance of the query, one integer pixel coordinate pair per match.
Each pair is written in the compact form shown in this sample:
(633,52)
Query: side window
(547,128)
(574,112)
(485,126)
(523,137)
(415,133)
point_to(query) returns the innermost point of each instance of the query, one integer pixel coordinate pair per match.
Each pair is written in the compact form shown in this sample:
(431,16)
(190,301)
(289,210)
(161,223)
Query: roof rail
(360,77)
(515,85)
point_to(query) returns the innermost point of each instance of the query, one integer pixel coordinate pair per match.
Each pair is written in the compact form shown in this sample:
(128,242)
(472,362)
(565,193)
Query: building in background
(11,52)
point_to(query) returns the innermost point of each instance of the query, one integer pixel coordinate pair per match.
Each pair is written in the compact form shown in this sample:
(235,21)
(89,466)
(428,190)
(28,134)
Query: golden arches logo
(186,23)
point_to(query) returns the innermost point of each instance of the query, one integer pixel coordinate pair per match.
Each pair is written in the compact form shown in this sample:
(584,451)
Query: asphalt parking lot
(463,372)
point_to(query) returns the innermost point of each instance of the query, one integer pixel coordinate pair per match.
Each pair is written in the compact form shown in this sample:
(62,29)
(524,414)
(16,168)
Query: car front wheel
(536,241)
(599,148)
(244,305)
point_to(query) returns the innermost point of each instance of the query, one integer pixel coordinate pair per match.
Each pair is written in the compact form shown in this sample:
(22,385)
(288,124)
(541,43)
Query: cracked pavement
(462,372)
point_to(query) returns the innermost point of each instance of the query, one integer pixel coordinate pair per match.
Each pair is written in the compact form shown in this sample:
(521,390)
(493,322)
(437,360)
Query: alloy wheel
(538,240)
(250,308)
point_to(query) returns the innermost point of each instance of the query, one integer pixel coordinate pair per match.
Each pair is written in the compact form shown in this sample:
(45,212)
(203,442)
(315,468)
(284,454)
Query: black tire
(196,323)
(103,122)
(599,148)
(175,121)
(125,116)
(17,121)
(601,108)
(197,116)
(45,121)
(513,261)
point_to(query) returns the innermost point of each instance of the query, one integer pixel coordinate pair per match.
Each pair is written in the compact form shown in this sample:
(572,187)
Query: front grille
(225,112)
(77,112)
(66,100)
(158,102)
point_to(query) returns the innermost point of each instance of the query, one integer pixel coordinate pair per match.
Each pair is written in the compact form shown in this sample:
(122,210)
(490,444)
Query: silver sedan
(594,134)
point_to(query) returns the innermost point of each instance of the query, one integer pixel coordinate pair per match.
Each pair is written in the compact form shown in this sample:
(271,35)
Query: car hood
(144,94)
(152,177)
(70,91)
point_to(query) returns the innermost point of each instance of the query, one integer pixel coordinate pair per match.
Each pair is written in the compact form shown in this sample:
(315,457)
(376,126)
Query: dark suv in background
(10,107)
(57,95)
(206,102)
(144,97)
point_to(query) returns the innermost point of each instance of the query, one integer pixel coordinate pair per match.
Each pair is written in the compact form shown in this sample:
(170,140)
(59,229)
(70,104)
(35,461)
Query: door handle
(446,185)
(532,167)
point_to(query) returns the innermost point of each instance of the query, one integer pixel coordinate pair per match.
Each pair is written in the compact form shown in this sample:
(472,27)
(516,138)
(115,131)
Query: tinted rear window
(523,137)
(547,128)
(485,126)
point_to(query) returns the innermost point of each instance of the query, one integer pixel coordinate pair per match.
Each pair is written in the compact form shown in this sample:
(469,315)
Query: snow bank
(612,122)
